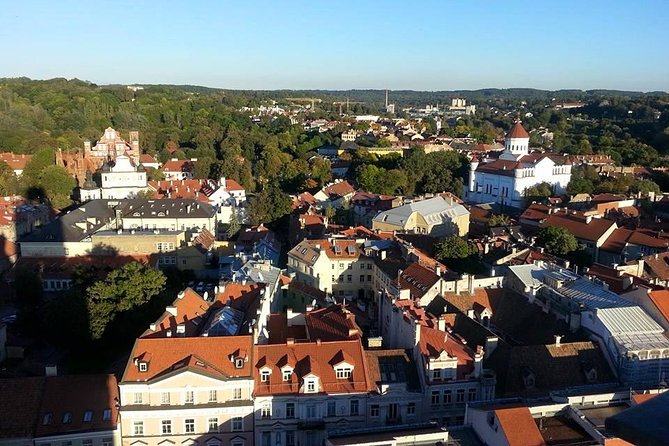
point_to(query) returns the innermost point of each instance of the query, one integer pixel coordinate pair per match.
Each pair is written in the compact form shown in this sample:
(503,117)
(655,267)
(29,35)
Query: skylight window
(67,417)
(106,415)
(88,416)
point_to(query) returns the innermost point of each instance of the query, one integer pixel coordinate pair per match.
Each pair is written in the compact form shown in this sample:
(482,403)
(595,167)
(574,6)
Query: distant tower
(386,99)
(516,142)
(390,108)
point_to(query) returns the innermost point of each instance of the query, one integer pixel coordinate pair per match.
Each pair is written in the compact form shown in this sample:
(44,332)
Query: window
(143,367)
(411,409)
(471,395)
(350,266)
(239,363)
(460,396)
(362,277)
(287,374)
(107,442)
(67,417)
(138,428)
(311,412)
(334,279)
(264,376)
(106,415)
(332,408)
(355,407)
(166,426)
(190,397)
(374,410)
(213,397)
(435,397)
(137,398)
(88,416)
(343,373)
(213,424)
(237,393)
(349,278)
(48,417)
(165,398)
(447,397)
(266,411)
(277,438)
(237,424)
(311,385)
(189,425)
(290,438)
(290,410)
(436,374)
(87,442)
(369,277)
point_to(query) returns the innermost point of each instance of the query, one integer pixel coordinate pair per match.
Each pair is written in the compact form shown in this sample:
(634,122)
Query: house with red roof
(504,180)
(187,390)
(335,194)
(16,162)
(176,169)
(505,426)
(305,391)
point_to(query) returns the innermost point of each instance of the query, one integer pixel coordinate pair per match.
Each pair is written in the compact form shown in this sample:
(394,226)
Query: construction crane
(340,104)
(312,100)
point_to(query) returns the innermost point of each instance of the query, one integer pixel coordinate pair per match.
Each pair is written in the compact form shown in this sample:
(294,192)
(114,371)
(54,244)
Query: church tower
(516,142)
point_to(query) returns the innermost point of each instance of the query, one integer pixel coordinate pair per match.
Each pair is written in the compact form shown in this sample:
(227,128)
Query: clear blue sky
(420,45)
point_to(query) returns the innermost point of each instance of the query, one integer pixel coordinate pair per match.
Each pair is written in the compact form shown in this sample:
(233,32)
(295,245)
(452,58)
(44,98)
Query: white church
(504,180)
(122,179)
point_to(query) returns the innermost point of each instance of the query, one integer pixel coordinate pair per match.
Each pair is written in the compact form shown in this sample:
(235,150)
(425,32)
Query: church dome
(518,131)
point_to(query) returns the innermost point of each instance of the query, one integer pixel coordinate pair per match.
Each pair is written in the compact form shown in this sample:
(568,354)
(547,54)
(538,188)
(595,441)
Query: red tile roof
(418,280)
(77,394)
(15,161)
(145,158)
(433,342)
(191,310)
(19,405)
(517,131)
(333,323)
(581,229)
(519,427)
(212,356)
(661,300)
(311,358)
(338,189)
(640,398)
(178,166)
(280,331)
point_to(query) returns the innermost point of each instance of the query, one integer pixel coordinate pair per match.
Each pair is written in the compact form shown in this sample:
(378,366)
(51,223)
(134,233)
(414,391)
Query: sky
(342,44)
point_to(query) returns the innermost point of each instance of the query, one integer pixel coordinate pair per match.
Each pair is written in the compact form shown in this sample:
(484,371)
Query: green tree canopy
(58,185)
(557,240)
(269,205)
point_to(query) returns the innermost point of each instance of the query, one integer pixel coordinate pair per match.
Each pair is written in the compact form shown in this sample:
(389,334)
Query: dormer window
(48,417)
(143,366)
(343,372)
(311,385)
(106,415)
(436,374)
(264,376)
(67,417)
(286,374)
(239,363)
(88,416)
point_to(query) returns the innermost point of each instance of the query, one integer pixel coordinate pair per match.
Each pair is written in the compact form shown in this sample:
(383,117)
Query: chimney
(588,219)
(416,332)
(478,361)
(558,340)
(437,270)
(290,341)
(318,342)
(491,344)
(441,323)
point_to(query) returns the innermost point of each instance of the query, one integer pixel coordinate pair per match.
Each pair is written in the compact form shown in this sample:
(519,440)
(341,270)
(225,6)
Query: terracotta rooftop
(333,323)
(178,166)
(418,280)
(519,427)
(433,342)
(581,229)
(657,265)
(338,189)
(212,356)
(280,331)
(311,358)
(191,310)
(661,300)
(518,131)
(19,406)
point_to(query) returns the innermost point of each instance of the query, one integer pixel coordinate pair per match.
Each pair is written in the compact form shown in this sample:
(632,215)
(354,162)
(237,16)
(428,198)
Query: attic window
(343,372)
(48,417)
(287,374)
(304,250)
(88,416)
(106,415)
(143,366)
(310,386)
(264,376)
(239,363)
(67,417)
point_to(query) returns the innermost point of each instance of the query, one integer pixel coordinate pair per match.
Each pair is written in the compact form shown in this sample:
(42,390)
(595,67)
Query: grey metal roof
(434,210)
(631,320)
(168,208)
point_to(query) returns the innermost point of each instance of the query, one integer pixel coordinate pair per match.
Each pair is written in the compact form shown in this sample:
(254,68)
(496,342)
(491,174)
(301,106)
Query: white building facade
(505,180)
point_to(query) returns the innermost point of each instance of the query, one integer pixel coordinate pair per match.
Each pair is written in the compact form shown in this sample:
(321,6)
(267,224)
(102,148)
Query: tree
(9,184)
(124,289)
(153,174)
(269,205)
(645,187)
(58,185)
(233,226)
(498,220)
(557,240)
(454,247)
(202,168)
